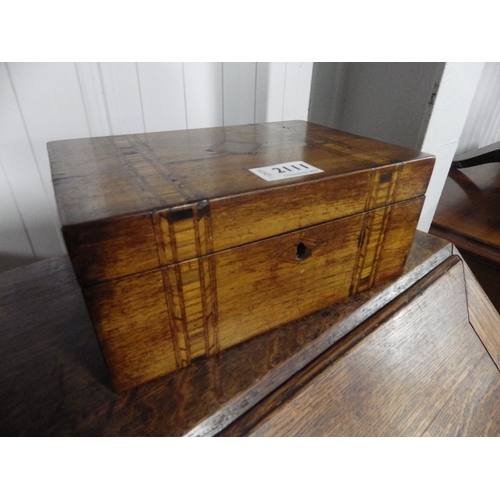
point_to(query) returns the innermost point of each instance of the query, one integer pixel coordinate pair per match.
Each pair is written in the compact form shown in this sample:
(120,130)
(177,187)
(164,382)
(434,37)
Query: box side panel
(110,249)
(414,179)
(399,232)
(133,326)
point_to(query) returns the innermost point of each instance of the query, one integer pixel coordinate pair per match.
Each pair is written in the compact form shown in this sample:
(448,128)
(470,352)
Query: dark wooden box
(182,251)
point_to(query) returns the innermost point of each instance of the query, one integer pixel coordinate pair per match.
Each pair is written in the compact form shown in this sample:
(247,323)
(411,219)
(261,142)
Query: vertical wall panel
(22,171)
(89,80)
(485,125)
(275,92)
(262,70)
(51,106)
(122,97)
(42,102)
(239,93)
(482,127)
(15,247)
(203,87)
(162,93)
(456,93)
(288,89)
(296,91)
(327,93)
(385,101)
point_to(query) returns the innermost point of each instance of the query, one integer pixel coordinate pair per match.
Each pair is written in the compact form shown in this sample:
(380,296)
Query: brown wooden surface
(134,206)
(191,187)
(468,212)
(153,323)
(468,215)
(168,169)
(416,368)
(53,380)
(483,316)
(487,274)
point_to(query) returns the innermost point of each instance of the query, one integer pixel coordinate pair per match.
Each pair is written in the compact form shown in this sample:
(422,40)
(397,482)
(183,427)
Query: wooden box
(182,250)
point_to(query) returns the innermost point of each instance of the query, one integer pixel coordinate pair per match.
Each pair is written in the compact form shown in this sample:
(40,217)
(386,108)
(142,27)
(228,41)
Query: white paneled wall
(42,102)
(416,105)
(482,127)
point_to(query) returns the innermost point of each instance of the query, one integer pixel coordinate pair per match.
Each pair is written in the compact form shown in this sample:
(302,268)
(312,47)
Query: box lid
(136,202)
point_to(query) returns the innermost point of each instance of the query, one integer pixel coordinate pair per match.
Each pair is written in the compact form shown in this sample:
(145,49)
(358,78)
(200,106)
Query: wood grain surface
(168,176)
(468,216)
(467,213)
(487,273)
(153,323)
(167,169)
(177,244)
(483,316)
(53,380)
(415,368)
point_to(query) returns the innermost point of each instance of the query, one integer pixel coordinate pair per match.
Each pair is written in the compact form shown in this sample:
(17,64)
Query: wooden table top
(468,213)
(54,381)
(416,368)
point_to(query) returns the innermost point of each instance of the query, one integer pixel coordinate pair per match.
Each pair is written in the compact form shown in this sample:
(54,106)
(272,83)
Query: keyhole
(302,252)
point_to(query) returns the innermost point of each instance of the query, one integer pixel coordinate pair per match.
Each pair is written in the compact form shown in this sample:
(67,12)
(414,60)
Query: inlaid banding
(184,238)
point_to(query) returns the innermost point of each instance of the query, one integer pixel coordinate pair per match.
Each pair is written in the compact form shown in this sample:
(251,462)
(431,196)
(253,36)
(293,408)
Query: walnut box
(188,242)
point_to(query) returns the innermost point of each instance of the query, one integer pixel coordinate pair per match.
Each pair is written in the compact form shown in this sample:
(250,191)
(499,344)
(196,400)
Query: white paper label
(285,170)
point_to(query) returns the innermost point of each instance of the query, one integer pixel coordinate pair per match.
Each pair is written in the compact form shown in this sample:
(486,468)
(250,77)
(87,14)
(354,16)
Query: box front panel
(263,285)
(160,321)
